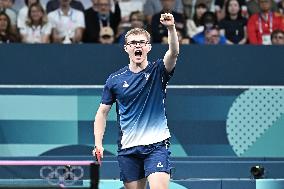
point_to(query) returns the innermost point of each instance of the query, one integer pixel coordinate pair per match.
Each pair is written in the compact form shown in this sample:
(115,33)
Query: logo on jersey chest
(125,84)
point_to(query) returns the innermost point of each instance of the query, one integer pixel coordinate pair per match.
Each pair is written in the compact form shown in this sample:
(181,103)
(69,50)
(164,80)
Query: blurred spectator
(37,28)
(277,37)
(128,6)
(213,37)
(280,6)
(200,9)
(159,32)
(152,7)
(5,6)
(233,26)
(103,17)
(6,32)
(23,13)
(220,8)
(209,21)
(261,25)
(181,38)
(52,5)
(194,26)
(253,7)
(106,35)
(68,23)
(8,4)
(190,7)
(136,19)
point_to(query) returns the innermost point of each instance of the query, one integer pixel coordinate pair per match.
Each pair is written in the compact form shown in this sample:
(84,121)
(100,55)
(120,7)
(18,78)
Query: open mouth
(138,53)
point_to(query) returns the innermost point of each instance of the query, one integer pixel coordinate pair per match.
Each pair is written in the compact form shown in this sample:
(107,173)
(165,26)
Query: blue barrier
(89,64)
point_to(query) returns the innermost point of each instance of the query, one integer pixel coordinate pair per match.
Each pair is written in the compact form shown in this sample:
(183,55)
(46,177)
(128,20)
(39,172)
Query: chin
(134,60)
(137,62)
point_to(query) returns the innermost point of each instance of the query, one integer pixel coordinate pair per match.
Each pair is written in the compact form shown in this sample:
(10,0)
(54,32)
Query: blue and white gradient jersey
(140,99)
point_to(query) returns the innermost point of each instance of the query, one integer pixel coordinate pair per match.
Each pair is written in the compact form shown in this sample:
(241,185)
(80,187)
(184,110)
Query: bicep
(169,61)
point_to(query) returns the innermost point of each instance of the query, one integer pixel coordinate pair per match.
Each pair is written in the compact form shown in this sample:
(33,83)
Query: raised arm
(99,127)
(171,55)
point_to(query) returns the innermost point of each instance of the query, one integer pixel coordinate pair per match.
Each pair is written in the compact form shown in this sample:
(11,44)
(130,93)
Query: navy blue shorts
(140,161)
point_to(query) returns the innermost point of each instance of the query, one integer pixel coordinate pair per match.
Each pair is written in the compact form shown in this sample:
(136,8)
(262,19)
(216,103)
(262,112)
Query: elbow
(175,53)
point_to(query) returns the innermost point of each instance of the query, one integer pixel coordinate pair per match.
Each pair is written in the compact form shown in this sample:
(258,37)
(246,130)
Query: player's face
(137,47)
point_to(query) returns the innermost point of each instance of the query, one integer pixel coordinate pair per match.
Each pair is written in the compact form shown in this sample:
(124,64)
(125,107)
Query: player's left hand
(167,19)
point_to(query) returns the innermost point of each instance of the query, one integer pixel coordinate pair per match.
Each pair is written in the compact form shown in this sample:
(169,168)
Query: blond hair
(29,20)
(138,31)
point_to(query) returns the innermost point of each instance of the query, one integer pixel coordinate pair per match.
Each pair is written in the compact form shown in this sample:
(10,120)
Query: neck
(137,67)
(36,22)
(265,12)
(167,10)
(264,15)
(65,9)
(233,16)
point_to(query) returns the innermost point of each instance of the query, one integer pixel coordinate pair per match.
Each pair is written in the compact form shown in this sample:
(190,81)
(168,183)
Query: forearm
(45,39)
(243,41)
(99,128)
(24,38)
(78,35)
(173,41)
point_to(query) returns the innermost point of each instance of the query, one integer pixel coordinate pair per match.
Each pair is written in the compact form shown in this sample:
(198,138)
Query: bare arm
(45,39)
(99,127)
(78,35)
(171,55)
(55,36)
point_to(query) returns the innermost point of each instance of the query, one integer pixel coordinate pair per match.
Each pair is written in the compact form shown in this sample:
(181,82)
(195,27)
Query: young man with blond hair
(139,90)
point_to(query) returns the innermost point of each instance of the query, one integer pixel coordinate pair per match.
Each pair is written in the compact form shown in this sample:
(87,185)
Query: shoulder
(117,74)
(243,19)
(91,14)
(254,16)
(23,10)
(157,15)
(157,63)
(77,12)
(223,22)
(47,26)
(277,14)
(199,35)
(53,14)
(90,11)
(10,11)
(177,15)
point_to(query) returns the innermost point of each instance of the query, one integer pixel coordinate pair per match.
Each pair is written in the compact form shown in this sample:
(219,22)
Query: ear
(125,48)
(149,48)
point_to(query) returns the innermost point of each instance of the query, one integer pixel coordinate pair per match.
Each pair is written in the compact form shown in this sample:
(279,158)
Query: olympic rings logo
(61,174)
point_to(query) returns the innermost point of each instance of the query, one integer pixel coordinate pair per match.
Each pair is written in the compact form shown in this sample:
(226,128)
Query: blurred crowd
(258,22)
